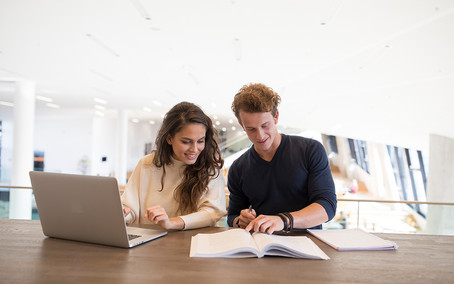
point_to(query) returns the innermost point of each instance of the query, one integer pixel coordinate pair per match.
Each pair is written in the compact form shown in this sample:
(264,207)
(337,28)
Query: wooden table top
(27,256)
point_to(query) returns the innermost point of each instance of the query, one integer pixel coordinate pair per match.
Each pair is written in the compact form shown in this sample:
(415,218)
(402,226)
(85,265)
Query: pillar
(440,186)
(20,206)
(122,148)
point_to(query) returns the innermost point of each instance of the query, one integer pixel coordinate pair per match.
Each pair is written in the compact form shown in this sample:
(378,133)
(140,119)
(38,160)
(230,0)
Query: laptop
(85,208)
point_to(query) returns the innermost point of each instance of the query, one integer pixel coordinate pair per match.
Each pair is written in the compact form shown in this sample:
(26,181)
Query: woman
(180,185)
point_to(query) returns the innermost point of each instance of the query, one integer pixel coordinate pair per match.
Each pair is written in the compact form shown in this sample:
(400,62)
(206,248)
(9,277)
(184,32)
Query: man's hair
(255,98)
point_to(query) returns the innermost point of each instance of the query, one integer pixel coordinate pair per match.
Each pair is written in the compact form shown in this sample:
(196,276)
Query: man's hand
(246,216)
(266,224)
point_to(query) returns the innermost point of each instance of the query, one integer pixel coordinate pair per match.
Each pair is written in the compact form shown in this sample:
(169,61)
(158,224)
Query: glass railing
(387,216)
(380,216)
(4,201)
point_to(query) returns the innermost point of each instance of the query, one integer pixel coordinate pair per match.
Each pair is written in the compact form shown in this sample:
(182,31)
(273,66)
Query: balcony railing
(373,215)
(384,216)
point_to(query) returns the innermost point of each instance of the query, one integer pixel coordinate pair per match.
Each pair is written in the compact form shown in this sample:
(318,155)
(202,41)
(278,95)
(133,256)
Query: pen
(250,209)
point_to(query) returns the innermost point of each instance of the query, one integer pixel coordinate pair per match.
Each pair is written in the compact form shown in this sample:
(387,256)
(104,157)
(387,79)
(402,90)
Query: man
(282,182)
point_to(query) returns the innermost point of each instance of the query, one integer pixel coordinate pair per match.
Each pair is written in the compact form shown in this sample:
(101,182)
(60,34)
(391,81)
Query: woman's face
(188,143)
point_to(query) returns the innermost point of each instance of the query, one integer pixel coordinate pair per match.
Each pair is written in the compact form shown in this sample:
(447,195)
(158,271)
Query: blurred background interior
(84,85)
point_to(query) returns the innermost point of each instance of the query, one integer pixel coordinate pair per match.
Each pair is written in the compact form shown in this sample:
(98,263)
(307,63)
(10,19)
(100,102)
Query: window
(358,152)
(410,174)
(331,144)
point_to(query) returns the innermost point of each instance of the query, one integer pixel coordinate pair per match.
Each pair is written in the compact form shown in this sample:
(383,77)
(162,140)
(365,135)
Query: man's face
(261,129)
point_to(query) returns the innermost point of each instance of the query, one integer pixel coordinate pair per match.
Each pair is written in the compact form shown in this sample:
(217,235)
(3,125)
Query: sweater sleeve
(237,199)
(130,197)
(320,183)
(211,206)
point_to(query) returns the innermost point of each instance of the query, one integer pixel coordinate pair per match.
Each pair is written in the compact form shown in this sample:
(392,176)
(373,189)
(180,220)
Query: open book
(353,239)
(236,243)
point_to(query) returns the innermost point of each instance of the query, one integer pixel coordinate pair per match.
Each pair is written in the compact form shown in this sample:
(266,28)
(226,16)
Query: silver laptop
(85,208)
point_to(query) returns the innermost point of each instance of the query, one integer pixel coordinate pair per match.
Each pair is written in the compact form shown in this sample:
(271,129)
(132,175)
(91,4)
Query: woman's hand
(157,215)
(126,210)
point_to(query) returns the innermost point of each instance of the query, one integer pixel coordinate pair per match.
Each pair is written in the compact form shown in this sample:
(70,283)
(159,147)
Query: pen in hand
(250,209)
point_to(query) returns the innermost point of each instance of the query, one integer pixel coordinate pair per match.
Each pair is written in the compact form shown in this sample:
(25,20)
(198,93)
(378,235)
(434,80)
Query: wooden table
(27,256)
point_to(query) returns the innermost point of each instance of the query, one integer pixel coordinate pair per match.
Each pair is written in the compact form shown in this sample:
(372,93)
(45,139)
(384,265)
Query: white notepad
(353,239)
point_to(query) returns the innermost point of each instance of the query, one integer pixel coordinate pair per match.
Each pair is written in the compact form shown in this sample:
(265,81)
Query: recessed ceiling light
(233,128)
(44,99)
(230,121)
(152,122)
(100,107)
(218,123)
(158,103)
(99,113)
(3,103)
(135,120)
(51,105)
(101,101)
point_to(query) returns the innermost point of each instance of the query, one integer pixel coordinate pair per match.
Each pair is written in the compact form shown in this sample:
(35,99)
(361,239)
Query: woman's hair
(255,98)
(208,164)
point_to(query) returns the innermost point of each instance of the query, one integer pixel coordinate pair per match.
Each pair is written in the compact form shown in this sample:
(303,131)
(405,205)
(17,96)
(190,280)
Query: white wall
(139,134)
(76,143)
(65,143)
(103,145)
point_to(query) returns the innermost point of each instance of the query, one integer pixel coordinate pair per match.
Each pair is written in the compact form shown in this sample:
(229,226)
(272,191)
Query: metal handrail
(339,199)
(395,201)
(13,186)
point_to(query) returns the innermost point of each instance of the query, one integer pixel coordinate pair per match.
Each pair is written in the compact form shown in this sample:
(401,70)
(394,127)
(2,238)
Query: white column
(20,206)
(440,185)
(122,147)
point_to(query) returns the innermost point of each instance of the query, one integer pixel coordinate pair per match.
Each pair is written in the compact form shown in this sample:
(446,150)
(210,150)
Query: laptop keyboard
(132,237)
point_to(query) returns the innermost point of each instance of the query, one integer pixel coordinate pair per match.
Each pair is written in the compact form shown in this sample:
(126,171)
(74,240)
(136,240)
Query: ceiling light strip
(44,99)
(3,103)
(101,75)
(103,45)
(141,9)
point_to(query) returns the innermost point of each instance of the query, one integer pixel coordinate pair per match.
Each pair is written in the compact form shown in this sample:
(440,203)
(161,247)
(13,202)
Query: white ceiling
(379,70)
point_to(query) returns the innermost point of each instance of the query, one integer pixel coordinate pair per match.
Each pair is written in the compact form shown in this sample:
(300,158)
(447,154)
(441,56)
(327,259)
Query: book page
(352,239)
(289,246)
(230,243)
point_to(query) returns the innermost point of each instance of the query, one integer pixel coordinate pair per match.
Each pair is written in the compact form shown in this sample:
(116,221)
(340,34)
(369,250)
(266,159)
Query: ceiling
(379,70)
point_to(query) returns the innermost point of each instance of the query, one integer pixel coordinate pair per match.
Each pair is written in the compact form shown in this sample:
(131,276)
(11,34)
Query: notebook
(85,208)
(353,239)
